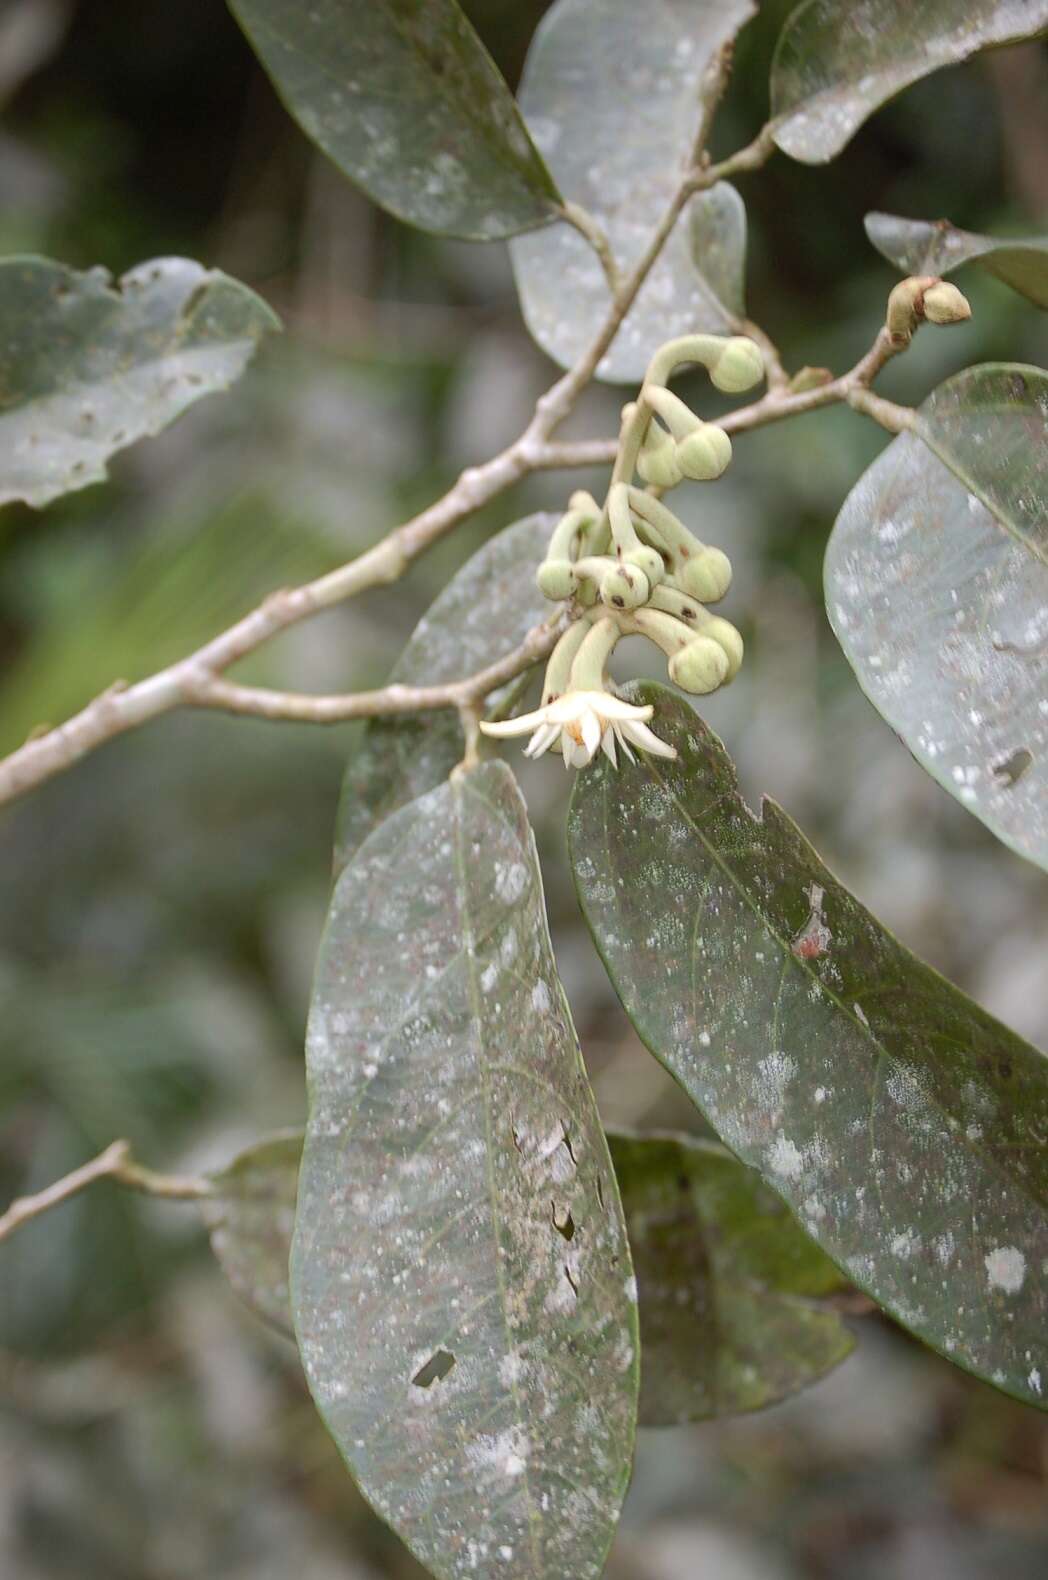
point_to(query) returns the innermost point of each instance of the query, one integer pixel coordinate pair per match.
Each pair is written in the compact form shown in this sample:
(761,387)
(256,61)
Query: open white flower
(584,721)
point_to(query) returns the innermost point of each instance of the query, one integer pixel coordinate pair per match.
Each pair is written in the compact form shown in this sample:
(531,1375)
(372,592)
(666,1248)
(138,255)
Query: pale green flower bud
(556,579)
(657,462)
(726,637)
(624,587)
(739,367)
(705,453)
(700,667)
(706,576)
(648,561)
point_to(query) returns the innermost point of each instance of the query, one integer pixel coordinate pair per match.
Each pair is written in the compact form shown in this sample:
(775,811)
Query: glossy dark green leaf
(461,1282)
(407,102)
(87,367)
(937,589)
(839,60)
(485,611)
(725,1283)
(916,247)
(611,96)
(904,1125)
(250,1218)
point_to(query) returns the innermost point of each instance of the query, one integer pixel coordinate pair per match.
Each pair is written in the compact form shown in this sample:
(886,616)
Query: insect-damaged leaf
(461,1282)
(611,96)
(725,1280)
(916,247)
(903,1125)
(87,367)
(839,60)
(484,612)
(250,1217)
(407,102)
(937,589)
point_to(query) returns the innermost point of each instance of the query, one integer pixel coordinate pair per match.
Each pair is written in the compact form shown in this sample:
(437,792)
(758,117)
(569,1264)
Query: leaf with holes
(87,367)
(407,102)
(836,63)
(250,1217)
(916,247)
(727,1283)
(484,612)
(611,95)
(460,1276)
(903,1125)
(937,588)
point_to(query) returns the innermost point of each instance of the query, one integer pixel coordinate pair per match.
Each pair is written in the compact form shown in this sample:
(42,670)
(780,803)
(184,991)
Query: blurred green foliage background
(162,901)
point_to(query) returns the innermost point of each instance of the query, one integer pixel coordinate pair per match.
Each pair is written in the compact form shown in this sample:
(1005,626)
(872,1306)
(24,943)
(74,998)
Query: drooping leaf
(407,102)
(915,246)
(837,61)
(904,1125)
(460,1276)
(611,96)
(250,1219)
(87,367)
(725,1280)
(485,611)
(937,589)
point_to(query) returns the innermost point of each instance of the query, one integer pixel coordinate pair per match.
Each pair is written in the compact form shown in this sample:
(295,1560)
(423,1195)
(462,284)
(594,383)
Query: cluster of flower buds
(631,567)
(923,298)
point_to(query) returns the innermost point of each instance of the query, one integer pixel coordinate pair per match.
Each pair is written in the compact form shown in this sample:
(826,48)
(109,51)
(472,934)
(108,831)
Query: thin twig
(122,707)
(115,1163)
(587,225)
(465,695)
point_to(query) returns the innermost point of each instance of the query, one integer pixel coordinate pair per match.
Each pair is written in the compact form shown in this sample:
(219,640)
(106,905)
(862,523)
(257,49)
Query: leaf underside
(937,589)
(903,1124)
(407,102)
(476,1367)
(836,64)
(250,1218)
(87,367)
(484,612)
(612,99)
(916,246)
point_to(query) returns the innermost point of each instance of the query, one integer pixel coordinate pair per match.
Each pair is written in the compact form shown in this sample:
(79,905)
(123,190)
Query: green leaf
(916,247)
(837,61)
(88,367)
(484,612)
(250,1219)
(460,1276)
(611,95)
(903,1124)
(725,1280)
(407,102)
(937,588)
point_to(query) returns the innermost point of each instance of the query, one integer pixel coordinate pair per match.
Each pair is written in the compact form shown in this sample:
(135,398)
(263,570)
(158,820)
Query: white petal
(592,729)
(572,706)
(608,746)
(623,742)
(579,751)
(611,707)
(521,726)
(641,736)
(542,740)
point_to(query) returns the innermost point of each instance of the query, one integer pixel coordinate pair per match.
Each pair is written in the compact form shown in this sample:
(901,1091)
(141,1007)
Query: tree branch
(187,682)
(115,1163)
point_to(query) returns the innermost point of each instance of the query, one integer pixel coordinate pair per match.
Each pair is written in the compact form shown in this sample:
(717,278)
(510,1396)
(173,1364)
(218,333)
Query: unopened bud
(556,579)
(809,379)
(705,453)
(648,561)
(725,635)
(739,367)
(706,576)
(944,304)
(700,667)
(624,587)
(657,462)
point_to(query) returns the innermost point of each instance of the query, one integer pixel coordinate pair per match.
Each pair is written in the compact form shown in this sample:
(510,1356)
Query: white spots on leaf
(784,1158)
(1034,1380)
(1006,1268)
(541,998)
(511,880)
